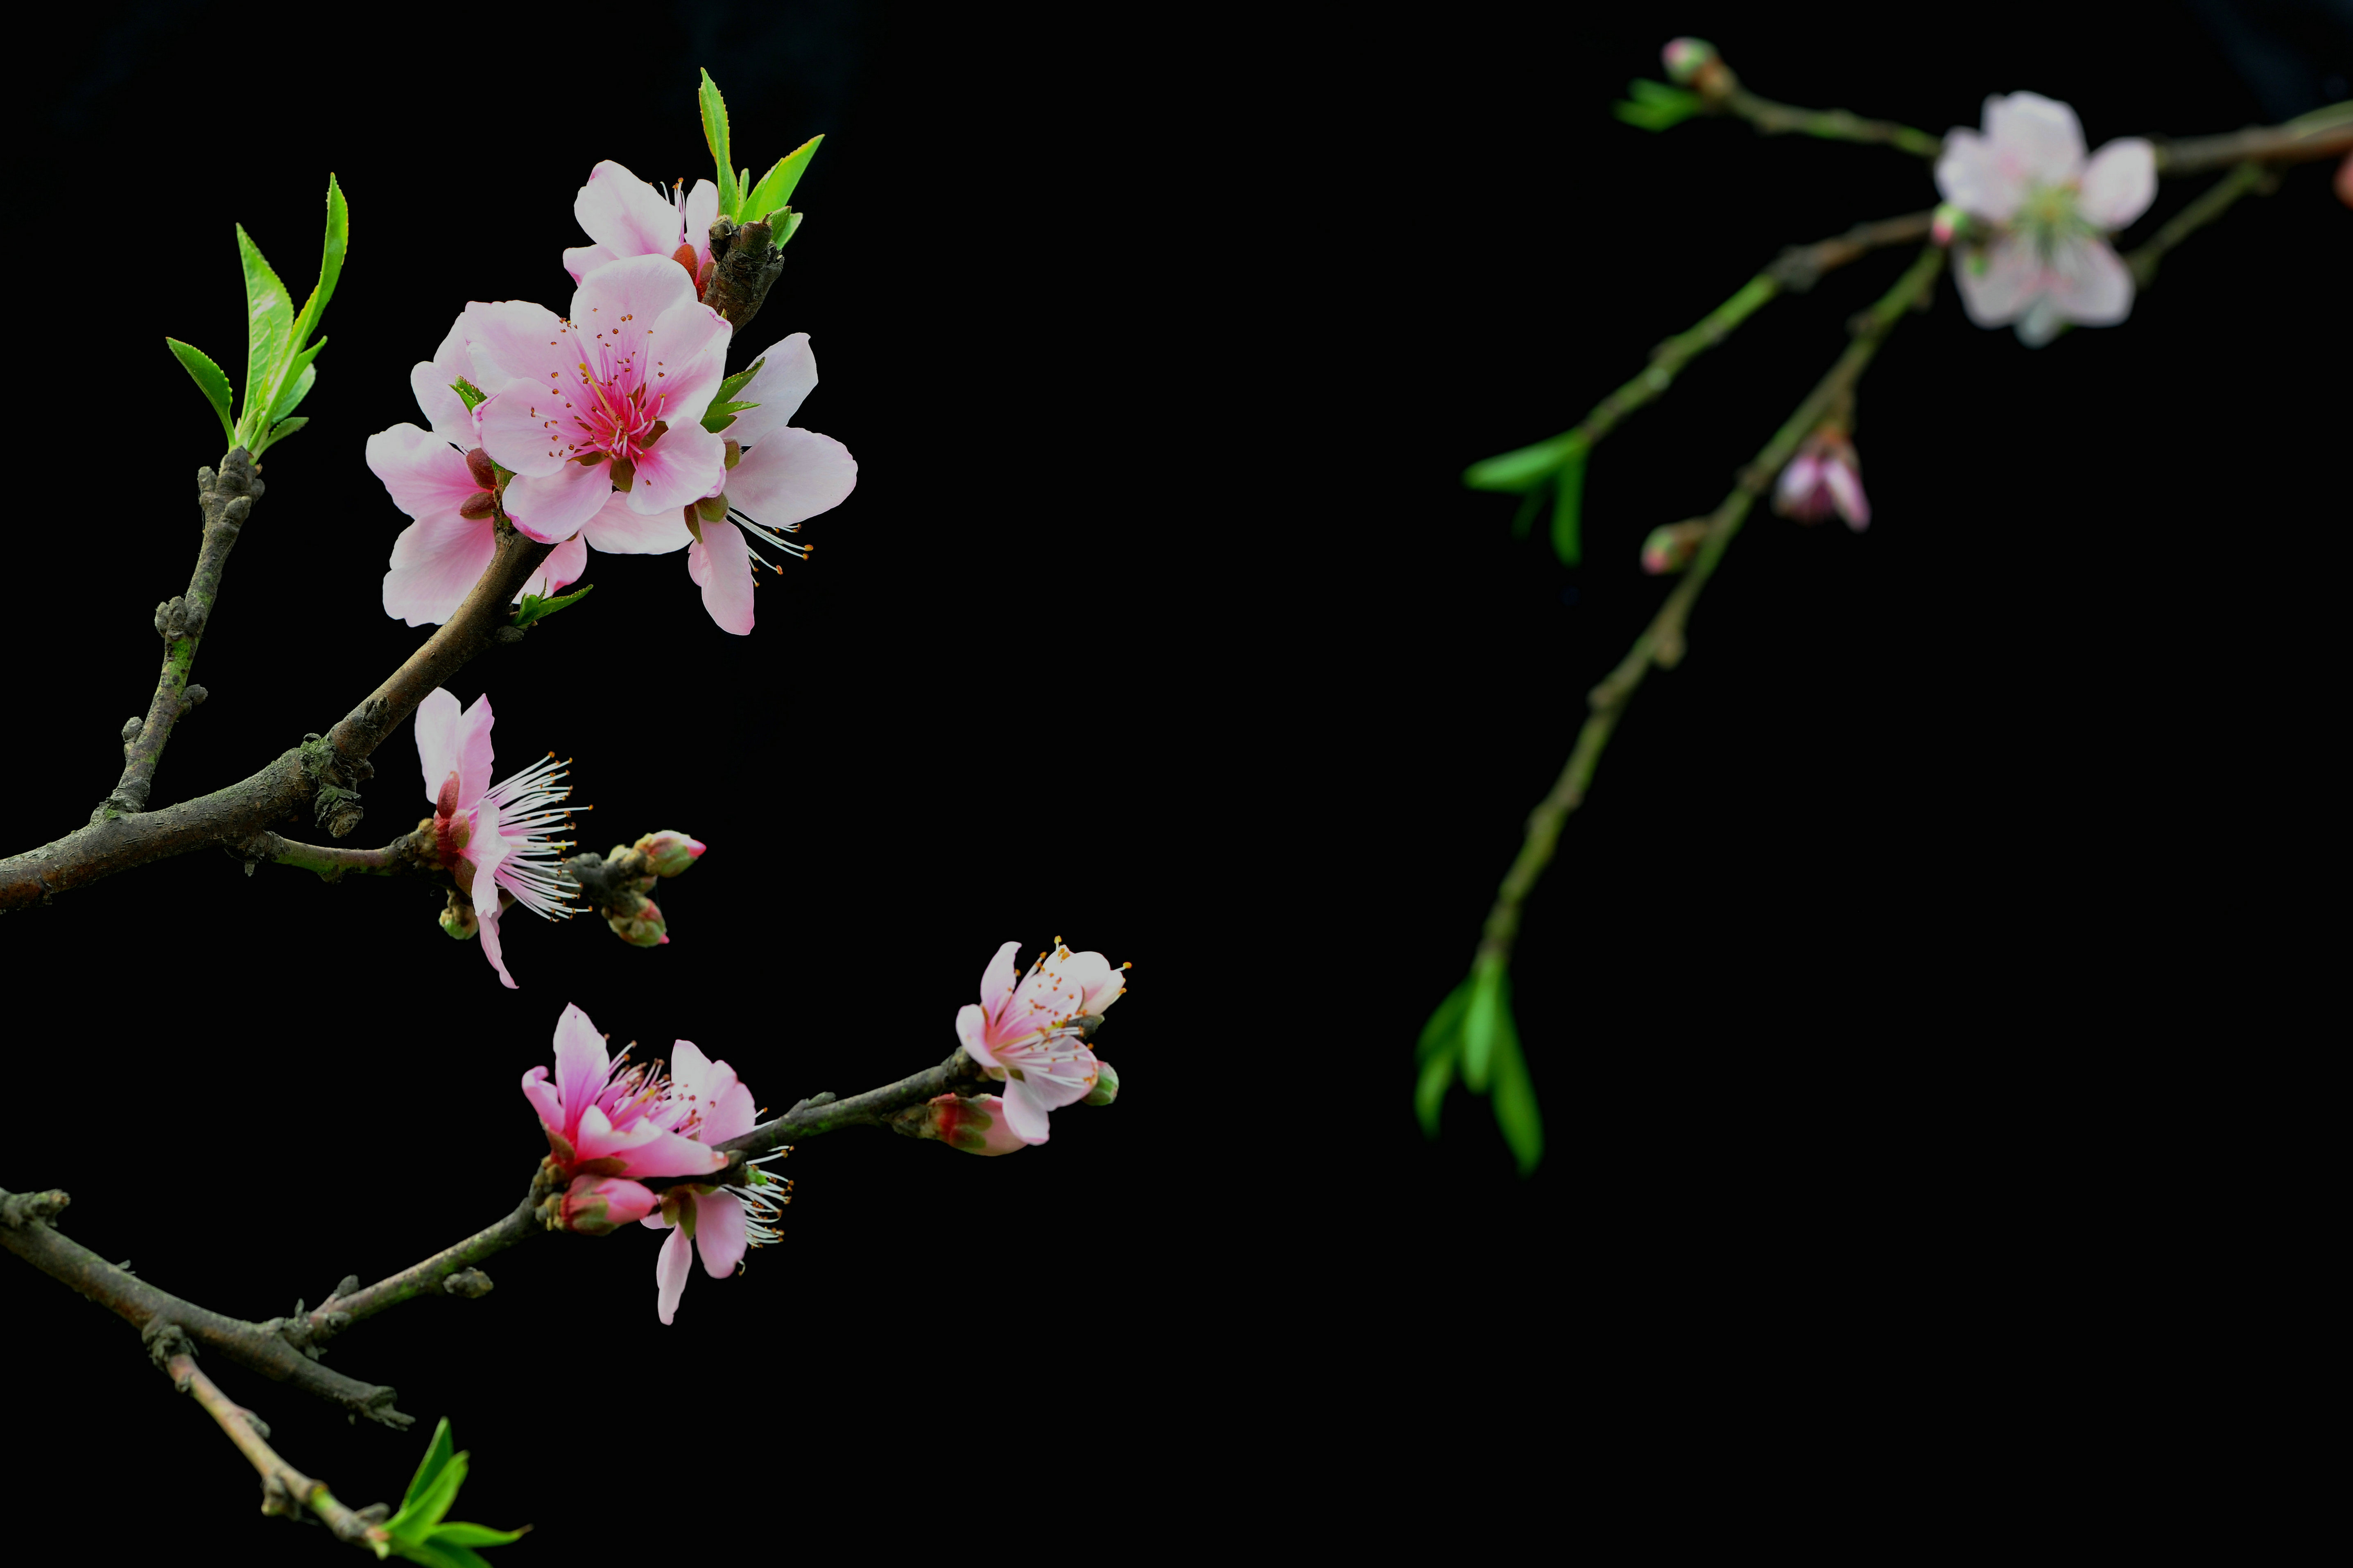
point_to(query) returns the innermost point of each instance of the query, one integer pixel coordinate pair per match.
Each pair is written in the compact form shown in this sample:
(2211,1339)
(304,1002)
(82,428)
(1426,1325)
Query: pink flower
(719,1222)
(2050,260)
(607,1122)
(578,406)
(784,475)
(1824,476)
(1023,1035)
(625,216)
(499,830)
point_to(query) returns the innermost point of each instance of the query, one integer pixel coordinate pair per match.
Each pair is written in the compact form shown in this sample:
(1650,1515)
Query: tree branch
(226,499)
(284,1490)
(1662,642)
(2211,204)
(26,1230)
(412,855)
(1834,124)
(449,1272)
(2324,134)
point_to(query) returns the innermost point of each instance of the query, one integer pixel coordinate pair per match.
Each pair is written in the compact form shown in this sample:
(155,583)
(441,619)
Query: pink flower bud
(976,1126)
(1949,220)
(595,1205)
(1106,1088)
(477,465)
(670,851)
(1670,548)
(1824,477)
(644,928)
(1686,58)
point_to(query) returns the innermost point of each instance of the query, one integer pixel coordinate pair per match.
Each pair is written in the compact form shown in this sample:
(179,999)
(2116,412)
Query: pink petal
(554,506)
(559,571)
(686,357)
(521,428)
(670,1270)
(643,286)
(487,915)
(435,564)
(719,1233)
(546,1101)
(788,375)
(702,207)
(2119,183)
(1025,1113)
(438,746)
(2038,139)
(2011,278)
(421,472)
(582,1064)
(1846,490)
(730,1115)
(723,565)
(1796,481)
(625,215)
(515,340)
(582,259)
(972,1032)
(997,980)
(2091,284)
(2040,321)
(474,759)
(595,1205)
(616,530)
(681,468)
(442,407)
(791,475)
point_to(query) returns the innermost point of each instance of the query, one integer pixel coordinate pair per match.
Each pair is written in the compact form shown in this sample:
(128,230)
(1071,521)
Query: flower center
(618,413)
(2049,216)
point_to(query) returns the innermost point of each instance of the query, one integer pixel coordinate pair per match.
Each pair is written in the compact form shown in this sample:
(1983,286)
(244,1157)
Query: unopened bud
(734,450)
(478,506)
(595,1205)
(1686,58)
(460,920)
(643,929)
(976,1126)
(670,851)
(477,463)
(1948,221)
(1106,1088)
(1670,548)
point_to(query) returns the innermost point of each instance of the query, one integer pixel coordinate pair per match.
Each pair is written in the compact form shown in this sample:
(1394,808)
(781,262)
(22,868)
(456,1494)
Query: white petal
(2119,183)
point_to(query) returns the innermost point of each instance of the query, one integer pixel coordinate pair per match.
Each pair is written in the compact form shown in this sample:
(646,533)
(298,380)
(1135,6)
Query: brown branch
(827,1113)
(26,1230)
(744,267)
(284,1490)
(2325,133)
(226,499)
(449,1272)
(412,855)
(323,774)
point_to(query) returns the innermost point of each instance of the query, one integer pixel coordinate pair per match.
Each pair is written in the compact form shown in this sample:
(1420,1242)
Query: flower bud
(478,464)
(595,1205)
(460,920)
(1685,58)
(976,1125)
(1106,1088)
(1670,548)
(643,929)
(478,506)
(1948,221)
(670,851)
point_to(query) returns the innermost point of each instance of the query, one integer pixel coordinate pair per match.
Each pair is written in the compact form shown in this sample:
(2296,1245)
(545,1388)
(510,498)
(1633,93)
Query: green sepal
(1569,502)
(722,415)
(1515,1098)
(1488,1014)
(534,608)
(1656,106)
(269,329)
(470,395)
(732,384)
(775,187)
(1528,466)
(714,132)
(210,380)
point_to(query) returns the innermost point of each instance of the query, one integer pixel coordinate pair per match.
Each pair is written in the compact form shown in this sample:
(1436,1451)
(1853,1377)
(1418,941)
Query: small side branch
(2211,204)
(411,856)
(1832,125)
(226,499)
(2324,134)
(449,1272)
(284,1490)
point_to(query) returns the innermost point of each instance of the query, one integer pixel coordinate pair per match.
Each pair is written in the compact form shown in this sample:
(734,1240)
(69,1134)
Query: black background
(1159,621)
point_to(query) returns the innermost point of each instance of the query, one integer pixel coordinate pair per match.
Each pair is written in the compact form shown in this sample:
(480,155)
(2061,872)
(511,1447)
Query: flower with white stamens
(1025,1032)
(503,830)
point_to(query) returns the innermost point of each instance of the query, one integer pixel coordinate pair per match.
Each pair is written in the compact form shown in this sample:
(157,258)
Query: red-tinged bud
(976,1126)
(734,450)
(1948,223)
(685,258)
(670,851)
(625,474)
(646,928)
(1685,57)
(477,463)
(445,802)
(1106,1088)
(595,1205)
(1670,548)
(478,506)
(702,281)
(460,920)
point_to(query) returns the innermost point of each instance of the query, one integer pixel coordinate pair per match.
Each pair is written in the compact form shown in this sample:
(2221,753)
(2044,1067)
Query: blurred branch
(2211,204)
(1662,642)
(2324,134)
(1832,125)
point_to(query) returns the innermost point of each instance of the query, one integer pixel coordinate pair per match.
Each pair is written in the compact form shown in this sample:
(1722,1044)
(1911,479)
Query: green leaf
(473,397)
(721,415)
(775,187)
(1489,1010)
(777,234)
(457,1534)
(434,1554)
(1515,1098)
(269,329)
(534,608)
(280,431)
(714,132)
(1656,106)
(210,381)
(1437,1035)
(736,383)
(436,1455)
(1430,1093)
(330,266)
(1568,501)
(305,378)
(1528,466)
(1527,512)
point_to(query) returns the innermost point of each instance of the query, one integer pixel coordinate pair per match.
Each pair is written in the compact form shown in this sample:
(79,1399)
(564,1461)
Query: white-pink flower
(625,216)
(784,475)
(2050,260)
(611,399)
(1024,1031)
(607,1122)
(499,832)
(1824,477)
(719,1222)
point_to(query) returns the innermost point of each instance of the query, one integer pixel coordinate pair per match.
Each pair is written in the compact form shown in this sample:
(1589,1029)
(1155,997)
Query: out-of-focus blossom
(2345,181)
(1948,223)
(1685,58)
(2052,210)
(500,832)
(1824,477)
(1023,1030)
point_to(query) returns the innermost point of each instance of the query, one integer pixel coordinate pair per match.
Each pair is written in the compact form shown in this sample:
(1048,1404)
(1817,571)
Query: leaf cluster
(1472,1035)
(420,1533)
(739,198)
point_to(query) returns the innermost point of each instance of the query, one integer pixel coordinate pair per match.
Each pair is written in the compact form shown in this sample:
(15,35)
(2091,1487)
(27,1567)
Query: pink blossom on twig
(500,831)
(1023,1030)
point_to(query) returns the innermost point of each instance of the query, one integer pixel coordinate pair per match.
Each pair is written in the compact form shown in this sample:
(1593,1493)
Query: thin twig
(1834,124)
(2211,204)
(2324,134)
(411,854)
(284,1490)
(1662,642)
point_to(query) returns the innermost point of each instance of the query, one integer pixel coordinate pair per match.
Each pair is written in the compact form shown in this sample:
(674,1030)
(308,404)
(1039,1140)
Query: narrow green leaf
(736,383)
(1526,467)
(775,187)
(330,264)
(714,132)
(305,377)
(1430,1093)
(280,431)
(416,1520)
(1515,1098)
(1656,106)
(1569,502)
(210,381)
(268,327)
(1438,1035)
(721,415)
(534,608)
(779,233)
(437,1454)
(1490,1001)
(459,1534)
(1527,512)
(437,1556)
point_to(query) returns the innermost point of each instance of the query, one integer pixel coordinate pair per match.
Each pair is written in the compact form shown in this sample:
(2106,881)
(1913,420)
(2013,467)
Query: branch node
(470,1283)
(166,1339)
(31,1208)
(825,1099)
